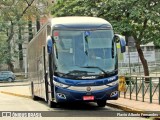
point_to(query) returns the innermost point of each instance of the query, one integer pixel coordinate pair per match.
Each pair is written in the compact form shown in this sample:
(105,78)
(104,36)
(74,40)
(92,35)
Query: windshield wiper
(77,73)
(105,72)
(95,67)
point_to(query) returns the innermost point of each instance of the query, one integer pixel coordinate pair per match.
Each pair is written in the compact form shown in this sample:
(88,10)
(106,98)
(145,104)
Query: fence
(146,89)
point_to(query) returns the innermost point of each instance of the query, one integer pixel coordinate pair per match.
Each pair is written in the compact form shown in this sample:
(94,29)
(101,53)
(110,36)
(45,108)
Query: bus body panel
(100,89)
(79,23)
(36,62)
(89,82)
(73,96)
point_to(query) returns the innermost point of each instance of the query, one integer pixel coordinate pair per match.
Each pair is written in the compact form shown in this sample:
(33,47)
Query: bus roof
(79,22)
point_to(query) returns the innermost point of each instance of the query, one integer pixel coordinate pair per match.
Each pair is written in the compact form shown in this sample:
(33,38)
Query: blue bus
(74,59)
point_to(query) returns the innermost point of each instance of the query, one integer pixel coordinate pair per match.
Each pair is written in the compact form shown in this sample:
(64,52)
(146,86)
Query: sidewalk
(20,91)
(121,103)
(133,105)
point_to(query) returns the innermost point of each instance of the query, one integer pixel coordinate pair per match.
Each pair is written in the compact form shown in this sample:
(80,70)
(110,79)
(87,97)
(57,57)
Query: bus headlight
(60,84)
(113,83)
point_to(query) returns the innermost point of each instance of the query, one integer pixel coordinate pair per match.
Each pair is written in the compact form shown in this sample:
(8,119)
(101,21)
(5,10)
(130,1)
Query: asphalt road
(22,106)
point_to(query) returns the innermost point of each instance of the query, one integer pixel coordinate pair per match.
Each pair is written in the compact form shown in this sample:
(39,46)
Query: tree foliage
(14,18)
(132,17)
(137,18)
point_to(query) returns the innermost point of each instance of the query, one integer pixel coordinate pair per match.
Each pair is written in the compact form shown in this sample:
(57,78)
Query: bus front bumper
(70,95)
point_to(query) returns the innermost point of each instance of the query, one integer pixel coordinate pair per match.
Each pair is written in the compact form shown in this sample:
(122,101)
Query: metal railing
(142,88)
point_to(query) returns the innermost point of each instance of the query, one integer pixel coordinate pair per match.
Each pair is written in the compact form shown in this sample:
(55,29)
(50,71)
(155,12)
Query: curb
(18,95)
(125,108)
(14,85)
(133,110)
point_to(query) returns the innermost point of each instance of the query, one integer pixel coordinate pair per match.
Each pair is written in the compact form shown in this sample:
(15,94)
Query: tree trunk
(30,30)
(143,60)
(20,48)
(9,59)
(20,57)
(10,66)
(38,25)
(10,33)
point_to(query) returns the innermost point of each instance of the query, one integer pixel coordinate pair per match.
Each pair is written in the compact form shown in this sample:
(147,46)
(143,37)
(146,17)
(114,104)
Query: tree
(136,18)
(11,14)
(14,17)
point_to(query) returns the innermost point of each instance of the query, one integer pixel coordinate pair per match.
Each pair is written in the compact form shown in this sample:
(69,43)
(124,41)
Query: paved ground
(124,104)
(136,105)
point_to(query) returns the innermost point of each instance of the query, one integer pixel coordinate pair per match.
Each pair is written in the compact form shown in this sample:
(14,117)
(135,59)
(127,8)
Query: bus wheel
(101,103)
(32,92)
(51,104)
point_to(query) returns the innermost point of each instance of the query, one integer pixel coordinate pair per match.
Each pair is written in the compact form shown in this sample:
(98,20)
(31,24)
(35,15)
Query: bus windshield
(84,52)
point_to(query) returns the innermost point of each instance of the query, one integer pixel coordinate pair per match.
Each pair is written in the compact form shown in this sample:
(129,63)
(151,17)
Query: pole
(150,84)
(143,89)
(25,63)
(129,61)
(159,90)
(139,66)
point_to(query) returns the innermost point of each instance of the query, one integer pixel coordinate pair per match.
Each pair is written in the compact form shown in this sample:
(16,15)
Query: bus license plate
(88,97)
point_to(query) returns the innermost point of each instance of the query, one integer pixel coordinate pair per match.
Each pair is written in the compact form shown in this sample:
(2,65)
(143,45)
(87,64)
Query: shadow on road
(85,106)
(80,109)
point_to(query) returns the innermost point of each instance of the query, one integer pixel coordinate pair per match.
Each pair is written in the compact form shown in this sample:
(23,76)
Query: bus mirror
(49,44)
(119,38)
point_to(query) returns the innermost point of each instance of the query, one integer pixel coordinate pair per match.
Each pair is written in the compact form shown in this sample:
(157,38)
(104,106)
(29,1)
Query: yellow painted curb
(125,108)
(14,94)
(129,109)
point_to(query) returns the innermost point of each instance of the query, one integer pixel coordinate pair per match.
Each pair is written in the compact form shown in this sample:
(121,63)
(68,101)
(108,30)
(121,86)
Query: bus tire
(32,92)
(101,103)
(52,104)
(46,90)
